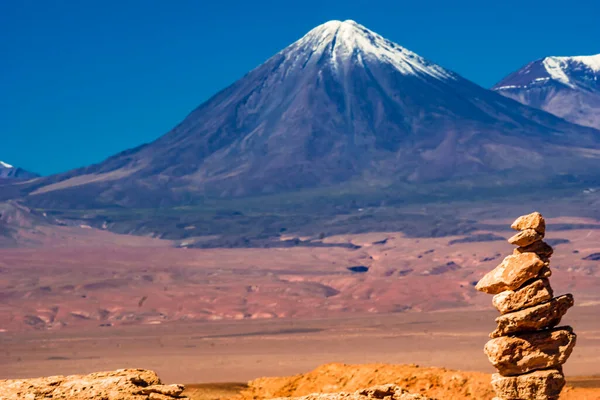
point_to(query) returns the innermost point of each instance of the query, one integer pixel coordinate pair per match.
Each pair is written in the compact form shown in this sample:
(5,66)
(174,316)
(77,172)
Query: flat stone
(542,316)
(537,385)
(533,293)
(517,355)
(511,274)
(166,390)
(541,248)
(525,238)
(533,221)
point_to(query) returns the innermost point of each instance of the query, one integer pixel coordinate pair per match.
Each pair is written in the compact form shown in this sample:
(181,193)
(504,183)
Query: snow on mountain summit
(573,72)
(347,41)
(5,165)
(568,87)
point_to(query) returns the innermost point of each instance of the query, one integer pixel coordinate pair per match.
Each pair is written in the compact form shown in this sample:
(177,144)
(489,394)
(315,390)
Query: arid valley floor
(237,351)
(82,300)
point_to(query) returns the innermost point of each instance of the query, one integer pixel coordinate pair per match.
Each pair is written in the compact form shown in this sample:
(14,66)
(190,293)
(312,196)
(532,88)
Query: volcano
(568,87)
(341,106)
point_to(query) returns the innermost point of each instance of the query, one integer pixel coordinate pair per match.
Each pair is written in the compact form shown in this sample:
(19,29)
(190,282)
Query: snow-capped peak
(591,62)
(558,67)
(573,72)
(5,165)
(346,41)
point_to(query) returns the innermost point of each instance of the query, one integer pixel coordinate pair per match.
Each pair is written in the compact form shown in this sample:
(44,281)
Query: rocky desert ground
(80,300)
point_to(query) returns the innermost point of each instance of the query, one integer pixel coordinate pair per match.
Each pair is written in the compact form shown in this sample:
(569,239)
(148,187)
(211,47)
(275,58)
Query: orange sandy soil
(439,383)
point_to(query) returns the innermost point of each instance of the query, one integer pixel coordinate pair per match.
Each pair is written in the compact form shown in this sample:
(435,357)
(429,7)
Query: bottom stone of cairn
(538,385)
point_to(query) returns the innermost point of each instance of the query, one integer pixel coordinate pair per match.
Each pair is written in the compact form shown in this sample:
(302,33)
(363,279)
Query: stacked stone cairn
(527,348)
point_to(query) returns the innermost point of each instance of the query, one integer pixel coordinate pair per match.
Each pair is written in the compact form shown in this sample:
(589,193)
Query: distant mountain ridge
(568,87)
(8,171)
(341,106)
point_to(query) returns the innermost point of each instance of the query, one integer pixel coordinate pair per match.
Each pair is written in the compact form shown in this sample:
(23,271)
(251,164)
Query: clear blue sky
(83,79)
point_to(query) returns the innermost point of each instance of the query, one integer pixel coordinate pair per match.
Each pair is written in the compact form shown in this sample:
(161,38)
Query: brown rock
(545,272)
(541,248)
(123,384)
(546,315)
(538,385)
(531,294)
(516,355)
(533,221)
(511,274)
(525,238)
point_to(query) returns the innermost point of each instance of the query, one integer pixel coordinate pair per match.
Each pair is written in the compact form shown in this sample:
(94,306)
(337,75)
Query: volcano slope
(341,106)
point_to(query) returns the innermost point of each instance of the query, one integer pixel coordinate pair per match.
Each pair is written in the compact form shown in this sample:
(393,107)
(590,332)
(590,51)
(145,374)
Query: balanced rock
(122,384)
(516,355)
(525,238)
(525,349)
(511,274)
(533,221)
(546,315)
(538,385)
(541,248)
(533,293)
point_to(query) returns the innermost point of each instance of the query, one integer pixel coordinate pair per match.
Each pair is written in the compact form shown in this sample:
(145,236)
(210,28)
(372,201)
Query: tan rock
(387,392)
(531,294)
(533,221)
(525,238)
(541,248)
(511,274)
(123,384)
(516,355)
(167,390)
(158,396)
(538,385)
(546,315)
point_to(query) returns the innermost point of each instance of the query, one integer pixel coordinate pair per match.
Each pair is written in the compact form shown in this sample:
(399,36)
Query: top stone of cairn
(533,221)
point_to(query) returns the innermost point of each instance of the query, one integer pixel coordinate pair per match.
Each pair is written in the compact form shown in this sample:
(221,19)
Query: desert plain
(77,300)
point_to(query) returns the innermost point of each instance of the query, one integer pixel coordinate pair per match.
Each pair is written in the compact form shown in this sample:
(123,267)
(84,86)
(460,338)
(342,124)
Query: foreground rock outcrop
(526,348)
(122,384)
(387,392)
(436,383)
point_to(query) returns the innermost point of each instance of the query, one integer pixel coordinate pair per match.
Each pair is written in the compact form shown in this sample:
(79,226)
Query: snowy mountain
(341,106)
(568,87)
(8,171)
